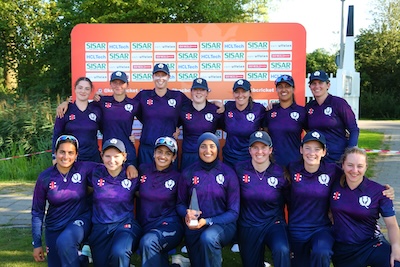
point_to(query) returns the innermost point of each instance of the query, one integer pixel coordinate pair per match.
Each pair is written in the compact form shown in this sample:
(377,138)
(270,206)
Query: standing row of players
(285,122)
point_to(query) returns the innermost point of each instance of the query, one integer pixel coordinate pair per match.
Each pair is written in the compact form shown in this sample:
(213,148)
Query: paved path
(16,199)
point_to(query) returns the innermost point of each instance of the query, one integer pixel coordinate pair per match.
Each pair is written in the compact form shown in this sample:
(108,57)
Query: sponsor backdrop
(221,53)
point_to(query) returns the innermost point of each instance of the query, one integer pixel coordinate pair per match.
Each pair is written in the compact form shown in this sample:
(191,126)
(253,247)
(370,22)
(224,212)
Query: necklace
(64,176)
(258,173)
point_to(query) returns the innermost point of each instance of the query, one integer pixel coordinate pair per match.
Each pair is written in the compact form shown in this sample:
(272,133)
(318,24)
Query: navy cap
(161,67)
(242,83)
(119,75)
(260,136)
(284,79)
(114,142)
(314,136)
(169,142)
(319,75)
(200,83)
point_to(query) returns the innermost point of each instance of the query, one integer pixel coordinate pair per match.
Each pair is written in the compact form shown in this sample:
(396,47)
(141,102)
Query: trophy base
(193,223)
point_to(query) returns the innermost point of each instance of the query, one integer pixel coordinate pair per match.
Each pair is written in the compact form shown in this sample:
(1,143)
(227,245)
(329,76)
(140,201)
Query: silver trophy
(194,205)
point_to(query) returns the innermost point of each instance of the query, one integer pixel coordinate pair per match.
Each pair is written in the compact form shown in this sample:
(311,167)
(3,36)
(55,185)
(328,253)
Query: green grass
(15,243)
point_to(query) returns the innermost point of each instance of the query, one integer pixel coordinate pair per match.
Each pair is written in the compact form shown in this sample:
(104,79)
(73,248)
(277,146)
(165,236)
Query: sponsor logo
(140,77)
(280,66)
(257,76)
(234,46)
(257,45)
(95,46)
(96,66)
(118,46)
(142,46)
(234,56)
(211,46)
(188,56)
(211,66)
(211,56)
(190,76)
(281,45)
(118,56)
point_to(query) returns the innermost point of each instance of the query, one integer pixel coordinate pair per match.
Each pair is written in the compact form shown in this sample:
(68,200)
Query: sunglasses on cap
(284,78)
(168,142)
(66,137)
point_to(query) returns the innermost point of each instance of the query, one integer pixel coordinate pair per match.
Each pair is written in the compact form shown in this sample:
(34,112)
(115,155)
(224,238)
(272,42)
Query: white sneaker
(235,248)
(180,260)
(266,264)
(184,249)
(87,252)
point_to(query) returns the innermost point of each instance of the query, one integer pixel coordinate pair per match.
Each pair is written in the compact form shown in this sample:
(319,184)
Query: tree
(320,59)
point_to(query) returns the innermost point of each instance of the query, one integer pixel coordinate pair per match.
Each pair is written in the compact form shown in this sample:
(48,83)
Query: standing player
(285,122)
(261,219)
(199,117)
(82,120)
(158,188)
(159,111)
(242,117)
(68,217)
(218,194)
(115,233)
(332,116)
(356,204)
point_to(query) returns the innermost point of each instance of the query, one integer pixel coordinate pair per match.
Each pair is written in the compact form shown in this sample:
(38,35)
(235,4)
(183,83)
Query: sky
(322,19)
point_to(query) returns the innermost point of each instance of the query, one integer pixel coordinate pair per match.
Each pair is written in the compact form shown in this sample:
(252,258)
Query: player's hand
(38,254)
(61,109)
(132,138)
(269,106)
(131,172)
(389,192)
(97,96)
(221,107)
(176,134)
(193,215)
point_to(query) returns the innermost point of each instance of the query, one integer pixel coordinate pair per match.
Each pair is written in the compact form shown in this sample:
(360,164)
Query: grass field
(15,243)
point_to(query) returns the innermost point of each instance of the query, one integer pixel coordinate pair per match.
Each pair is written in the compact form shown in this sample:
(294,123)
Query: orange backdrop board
(219,52)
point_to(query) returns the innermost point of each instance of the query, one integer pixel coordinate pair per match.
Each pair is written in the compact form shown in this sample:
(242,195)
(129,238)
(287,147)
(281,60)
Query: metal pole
(342,38)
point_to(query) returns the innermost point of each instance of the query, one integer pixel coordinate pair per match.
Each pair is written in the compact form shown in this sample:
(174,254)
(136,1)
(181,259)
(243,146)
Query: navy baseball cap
(260,136)
(200,83)
(161,67)
(114,142)
(314,136)
(242,83)
(119,75)
(284,79)
(319,75)
(169,142)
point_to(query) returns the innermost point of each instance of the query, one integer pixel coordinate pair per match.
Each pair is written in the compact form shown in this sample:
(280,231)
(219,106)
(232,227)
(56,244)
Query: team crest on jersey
(336,195)
(92,117)
(246,178)
(310,111)
(294,115)
(107,105)
(101,182)
(76,178)
(52,185)
(230,114)
(297,177)
(220,179)
(71,117)
(150,102)
(188,116)
(195,180)
(324,179)
(79,223)
(126,183)
(328,111)
(129,107)
(170,184)
(209,117)
(172,102)
(250,117)
(274,114)
(365,201)
(143,179)
(272,181)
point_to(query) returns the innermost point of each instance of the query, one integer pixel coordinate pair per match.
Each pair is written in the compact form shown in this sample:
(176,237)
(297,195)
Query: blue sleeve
(38,211)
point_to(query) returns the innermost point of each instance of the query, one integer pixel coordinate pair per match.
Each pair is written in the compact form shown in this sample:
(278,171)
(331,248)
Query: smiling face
(241,98)
(285,92)
(354,167)
(66,155)
(163,157)
(118,87)
(160,80)
(199,96)
(312,152)
(208,151)
(319,88)
(83,90)
(260,153)
(113,160)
